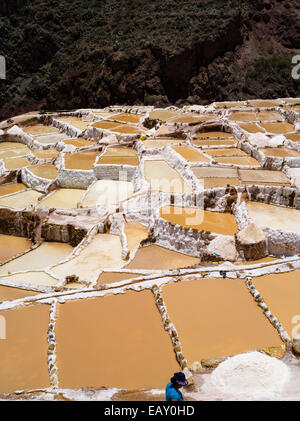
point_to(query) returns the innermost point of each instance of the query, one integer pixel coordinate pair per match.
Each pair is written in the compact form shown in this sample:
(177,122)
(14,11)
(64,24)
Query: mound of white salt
(252,375)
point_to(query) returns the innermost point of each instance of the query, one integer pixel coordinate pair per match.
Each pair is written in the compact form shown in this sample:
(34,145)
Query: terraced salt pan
(221,319)
(214,135)
(160,142)
(159,258)
(11,293)
(190,154)
(108,125)
(243,116)
(119,160)
(119,151)
(47,171)
(263,175)
(135,233)
(295,137)
(51,138)
(217,222)
(75,122)
(128,118)
(230,104)
(104,251)
(263,103)
(21,200)
(276,217)
(206,172)
(11,188)
(164,178)
(163,115)
(238,160)
(80,142)
(281,292)
(127,129)
(113,277)
(280,152)
(269,116)
(210,183)
(129,349)
(31,278)
(277,127)
(63,199)
(23,362)
(15,163)
(41,257)
(13,149)
(46,154)
(252,128)
(214,142)
(11,246)
(81,160)
(107,192)
(40,129)
(191,118)
(225,152)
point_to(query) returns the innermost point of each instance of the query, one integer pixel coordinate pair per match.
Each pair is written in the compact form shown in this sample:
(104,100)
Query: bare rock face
(251,242)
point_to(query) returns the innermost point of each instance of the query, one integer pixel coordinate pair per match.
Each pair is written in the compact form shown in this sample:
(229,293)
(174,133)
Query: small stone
(276,351)
(212,362)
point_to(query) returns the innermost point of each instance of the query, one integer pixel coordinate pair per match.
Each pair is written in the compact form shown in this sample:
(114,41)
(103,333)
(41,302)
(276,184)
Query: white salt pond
(107,192)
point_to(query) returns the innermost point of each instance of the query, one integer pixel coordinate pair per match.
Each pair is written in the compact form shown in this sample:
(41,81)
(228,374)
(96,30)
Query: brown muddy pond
(11,188)
(11,246)
(275,217)
(277,127)
(135,233)
(11,293)
(15,163)
(23,362)
(63,199)
(21,200)
(104,251)
(162,177)
(281,292)
(118,160)
(47,171)
(159,258)
(81,160)
(190,154)
(107,192)
(129,349)
(113,277)
(48,253)
(217,222)
(281,152)
(222,318)
(263,175)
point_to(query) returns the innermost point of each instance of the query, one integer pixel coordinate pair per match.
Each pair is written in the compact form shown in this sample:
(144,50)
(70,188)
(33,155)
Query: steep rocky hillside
(69,53)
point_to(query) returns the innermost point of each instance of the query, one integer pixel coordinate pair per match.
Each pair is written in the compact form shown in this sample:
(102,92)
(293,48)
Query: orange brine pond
(129,349)
(222,318)
(213,142)
(11,188)
(79,142)
(11,293)
(76,122)
(128,118)
(163,115)
(107,125)
(135,233)
(45,255)
(15,163)
(263,175)
(81,160)
(275,217)
(23,362)
(277,127)
(190,154)
(13,149)
(21,200)
(63,198)
(214,135)
(217,222)
(280,152)
(164,178)
(214,172)
(103,252)
(295,137)
(237,160)
(269,116)
(127,129)
(263,103)
(159,258)
(252,128)
(113,277)
(225,152)
(210,183)
(47,171)
(11,246)
(119,151)
(160,142)
(192,119)
(281,292)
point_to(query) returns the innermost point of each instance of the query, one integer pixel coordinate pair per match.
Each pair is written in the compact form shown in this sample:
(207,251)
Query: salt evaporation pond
(164,178)
(21,200)
(107,192)
(15,163)
(11,246)
(12,293)
(81,160)
(63,199)
(47,171)
(222,318)
(135,233)
(113,277)
(31,278)
(190,154)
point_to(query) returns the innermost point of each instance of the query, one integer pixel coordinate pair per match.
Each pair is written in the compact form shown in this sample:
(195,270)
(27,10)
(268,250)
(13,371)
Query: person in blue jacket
(172,389)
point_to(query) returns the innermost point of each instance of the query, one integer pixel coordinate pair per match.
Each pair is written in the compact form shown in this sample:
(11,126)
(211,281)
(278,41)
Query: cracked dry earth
(136,242)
